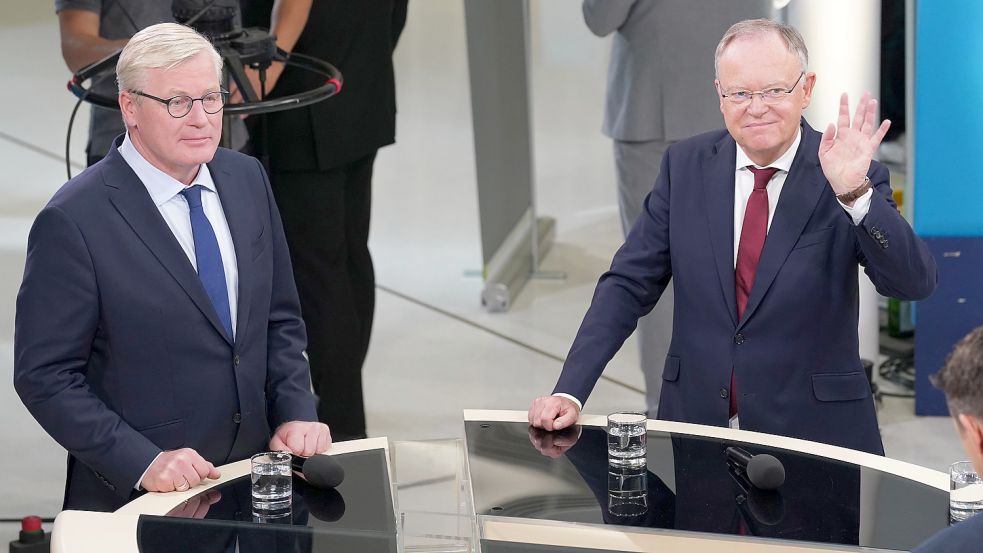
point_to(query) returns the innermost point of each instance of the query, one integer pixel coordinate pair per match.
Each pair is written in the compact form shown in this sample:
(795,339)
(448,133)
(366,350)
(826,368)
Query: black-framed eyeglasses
(179,106)
(768,96)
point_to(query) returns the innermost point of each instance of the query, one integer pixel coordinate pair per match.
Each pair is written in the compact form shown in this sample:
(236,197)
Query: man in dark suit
(321,160)
(962,381)
(158,331)
(761,228)
(655,98)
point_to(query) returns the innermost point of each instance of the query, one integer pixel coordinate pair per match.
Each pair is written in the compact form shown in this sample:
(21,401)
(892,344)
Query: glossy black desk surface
(357,516)
(692,489)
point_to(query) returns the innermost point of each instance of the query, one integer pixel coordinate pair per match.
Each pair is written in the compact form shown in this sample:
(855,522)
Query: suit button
(738,338)
(237,418)
(235,360)
(724,393)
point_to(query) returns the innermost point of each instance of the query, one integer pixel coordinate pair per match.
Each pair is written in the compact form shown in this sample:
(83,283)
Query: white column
(844,41)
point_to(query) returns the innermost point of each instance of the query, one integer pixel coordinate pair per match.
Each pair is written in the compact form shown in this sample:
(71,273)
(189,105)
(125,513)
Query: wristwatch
(852,195)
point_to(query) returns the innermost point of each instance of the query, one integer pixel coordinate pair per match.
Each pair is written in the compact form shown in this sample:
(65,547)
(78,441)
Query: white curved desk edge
(117,531)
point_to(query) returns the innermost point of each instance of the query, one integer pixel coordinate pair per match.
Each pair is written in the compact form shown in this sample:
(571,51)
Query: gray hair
(161,46)
(962,376)
(758,27)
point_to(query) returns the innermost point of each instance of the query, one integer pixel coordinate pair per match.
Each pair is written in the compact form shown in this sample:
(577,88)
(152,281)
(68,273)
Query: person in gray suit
(659,92)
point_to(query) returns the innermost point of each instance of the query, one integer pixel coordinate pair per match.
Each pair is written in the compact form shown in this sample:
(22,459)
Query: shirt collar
(784,162)
(161,186)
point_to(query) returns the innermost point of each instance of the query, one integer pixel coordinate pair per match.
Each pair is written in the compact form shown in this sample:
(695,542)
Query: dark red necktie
(753,233)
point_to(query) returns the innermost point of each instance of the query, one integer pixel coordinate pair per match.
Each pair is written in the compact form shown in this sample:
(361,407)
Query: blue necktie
(209,258)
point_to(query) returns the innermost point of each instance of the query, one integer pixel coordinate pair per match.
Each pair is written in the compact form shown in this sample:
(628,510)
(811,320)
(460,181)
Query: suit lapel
(802,190)
(131,199)
(238,213)
(718,191)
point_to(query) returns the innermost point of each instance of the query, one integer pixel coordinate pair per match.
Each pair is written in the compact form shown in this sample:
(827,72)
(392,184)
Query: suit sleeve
(897,262)
(604,17)
(288,376)
(639,273)
(56,323)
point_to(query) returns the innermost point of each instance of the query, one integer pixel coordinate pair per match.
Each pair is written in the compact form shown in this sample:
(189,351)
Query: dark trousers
(326,221)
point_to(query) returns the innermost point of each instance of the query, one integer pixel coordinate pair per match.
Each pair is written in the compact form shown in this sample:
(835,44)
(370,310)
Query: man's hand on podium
(553,412)
(301,438)
(178,470)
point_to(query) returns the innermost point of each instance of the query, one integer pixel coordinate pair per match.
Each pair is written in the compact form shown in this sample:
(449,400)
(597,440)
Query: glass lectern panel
(690,484)
(358,515)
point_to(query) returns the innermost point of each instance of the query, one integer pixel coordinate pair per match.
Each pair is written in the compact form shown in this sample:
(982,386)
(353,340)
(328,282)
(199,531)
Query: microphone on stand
(320,471)
(764,471)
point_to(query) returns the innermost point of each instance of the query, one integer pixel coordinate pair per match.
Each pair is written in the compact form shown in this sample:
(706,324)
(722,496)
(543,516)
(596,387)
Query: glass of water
(626,439)
(965,491)
(272,484)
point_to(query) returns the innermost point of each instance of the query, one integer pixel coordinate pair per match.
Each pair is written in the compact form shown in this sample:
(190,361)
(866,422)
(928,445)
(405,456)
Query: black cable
(264,137)
(899,371)
(68,135)
(17,520)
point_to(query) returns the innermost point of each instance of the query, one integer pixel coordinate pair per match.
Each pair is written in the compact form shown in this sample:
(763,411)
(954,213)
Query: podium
(496,491)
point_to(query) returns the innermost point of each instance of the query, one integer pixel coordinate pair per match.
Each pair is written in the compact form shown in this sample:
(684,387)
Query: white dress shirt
(165,191)
(744,185)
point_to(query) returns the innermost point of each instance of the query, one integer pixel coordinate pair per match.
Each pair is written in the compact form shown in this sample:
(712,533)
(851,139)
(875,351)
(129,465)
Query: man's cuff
(860,207)
(580,406)
(140,481)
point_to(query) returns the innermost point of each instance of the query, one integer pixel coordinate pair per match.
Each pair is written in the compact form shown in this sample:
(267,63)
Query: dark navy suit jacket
(119,353)
(795,351)
(963,537)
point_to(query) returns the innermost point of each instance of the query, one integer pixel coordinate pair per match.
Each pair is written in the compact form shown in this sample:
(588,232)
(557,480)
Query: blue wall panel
(949,118)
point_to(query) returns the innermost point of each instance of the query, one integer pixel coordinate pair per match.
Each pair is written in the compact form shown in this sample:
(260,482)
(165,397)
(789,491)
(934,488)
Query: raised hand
(846,148)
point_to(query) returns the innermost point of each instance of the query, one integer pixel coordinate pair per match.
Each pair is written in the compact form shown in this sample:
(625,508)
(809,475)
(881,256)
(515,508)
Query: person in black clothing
(321,160)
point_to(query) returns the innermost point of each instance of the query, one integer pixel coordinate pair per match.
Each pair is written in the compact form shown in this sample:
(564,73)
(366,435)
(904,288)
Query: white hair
(758,27)
(161,46)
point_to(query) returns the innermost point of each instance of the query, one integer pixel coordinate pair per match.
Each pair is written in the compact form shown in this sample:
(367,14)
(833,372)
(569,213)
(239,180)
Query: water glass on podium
(965,491)
(271,483)
(626,439)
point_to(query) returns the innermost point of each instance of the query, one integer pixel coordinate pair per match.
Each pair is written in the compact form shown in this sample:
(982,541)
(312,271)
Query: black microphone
(320,471)
(764,471)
